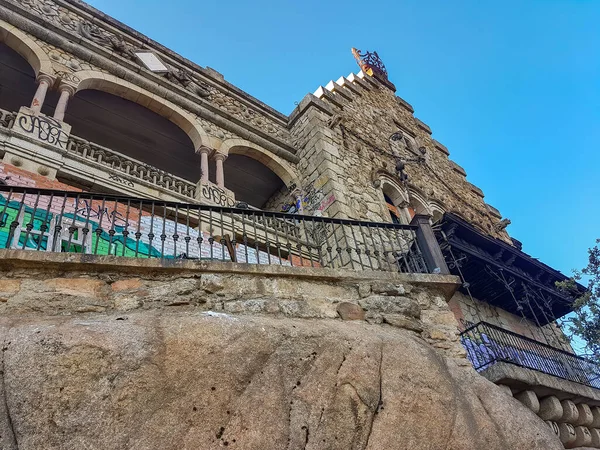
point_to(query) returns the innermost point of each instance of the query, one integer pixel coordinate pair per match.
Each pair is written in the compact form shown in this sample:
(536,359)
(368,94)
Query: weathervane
(370,63)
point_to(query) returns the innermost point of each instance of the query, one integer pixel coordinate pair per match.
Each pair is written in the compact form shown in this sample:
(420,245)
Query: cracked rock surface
(198,381)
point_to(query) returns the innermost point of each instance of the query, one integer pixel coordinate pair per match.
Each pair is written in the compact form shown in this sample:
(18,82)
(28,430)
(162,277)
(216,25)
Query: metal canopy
(500,274)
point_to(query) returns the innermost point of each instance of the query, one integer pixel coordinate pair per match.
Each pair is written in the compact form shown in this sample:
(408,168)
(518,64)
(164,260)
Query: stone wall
(570,409)
(362,116)
(469,312)
(61,284)
(112,353)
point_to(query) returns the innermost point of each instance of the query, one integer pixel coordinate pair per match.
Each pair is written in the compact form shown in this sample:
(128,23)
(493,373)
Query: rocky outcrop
(201,380)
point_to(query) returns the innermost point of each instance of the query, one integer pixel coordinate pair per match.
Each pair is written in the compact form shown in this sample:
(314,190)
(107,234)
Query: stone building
(113,145)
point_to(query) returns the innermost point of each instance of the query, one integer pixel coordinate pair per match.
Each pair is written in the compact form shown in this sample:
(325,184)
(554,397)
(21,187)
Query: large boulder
(150,380)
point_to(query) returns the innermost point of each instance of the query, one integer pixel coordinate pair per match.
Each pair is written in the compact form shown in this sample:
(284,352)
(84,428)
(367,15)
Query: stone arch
(398,197)
(437,211)
(26,47)
(394,191)
(418,203)
(90,79)
(246,148)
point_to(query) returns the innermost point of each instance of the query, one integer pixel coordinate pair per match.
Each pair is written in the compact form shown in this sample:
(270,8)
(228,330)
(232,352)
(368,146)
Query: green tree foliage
(585,321)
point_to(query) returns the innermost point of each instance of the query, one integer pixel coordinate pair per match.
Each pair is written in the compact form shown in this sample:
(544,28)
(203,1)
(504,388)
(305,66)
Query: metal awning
(501,274)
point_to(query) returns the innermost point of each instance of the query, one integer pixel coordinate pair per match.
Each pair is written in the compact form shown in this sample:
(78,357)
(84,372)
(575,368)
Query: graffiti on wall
(312,199)
(92,227)
(44,128)
(217,195)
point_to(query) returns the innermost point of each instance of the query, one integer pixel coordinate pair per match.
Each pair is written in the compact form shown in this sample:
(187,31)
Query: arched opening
(437,213)
(417,205)
(395,202)
(17,80)
(133,130)
(250,180)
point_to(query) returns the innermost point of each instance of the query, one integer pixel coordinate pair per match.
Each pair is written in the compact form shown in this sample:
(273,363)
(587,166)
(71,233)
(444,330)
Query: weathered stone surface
(529,399)
(585,416)
(506,389)
(596,416)
(388,289)
(550,408)
(350,311)
(595,433)
(583,437)
(161,380)
(391,304)
(567,433)
(400,321)
(570,413)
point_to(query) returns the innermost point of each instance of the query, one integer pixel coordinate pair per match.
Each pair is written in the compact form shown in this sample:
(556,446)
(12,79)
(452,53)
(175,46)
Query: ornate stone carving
(500,226)
(183,77)
(67,76)
(124,45)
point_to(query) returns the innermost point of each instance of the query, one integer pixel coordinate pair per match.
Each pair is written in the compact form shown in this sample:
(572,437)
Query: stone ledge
(19,259)
(493,211)
(458,169)
(405,104)
(476,190)
(423,126)
(441,147)
(520,378)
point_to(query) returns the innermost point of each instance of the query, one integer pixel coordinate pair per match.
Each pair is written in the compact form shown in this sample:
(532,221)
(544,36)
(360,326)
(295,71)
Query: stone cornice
(127,70)
(97,16)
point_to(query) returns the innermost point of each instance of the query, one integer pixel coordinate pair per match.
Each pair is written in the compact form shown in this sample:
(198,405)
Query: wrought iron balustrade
(60,221)
(487,344)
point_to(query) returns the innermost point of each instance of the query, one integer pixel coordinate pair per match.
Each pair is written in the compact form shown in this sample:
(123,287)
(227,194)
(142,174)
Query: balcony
(488,345)
(75,222)
(84,161)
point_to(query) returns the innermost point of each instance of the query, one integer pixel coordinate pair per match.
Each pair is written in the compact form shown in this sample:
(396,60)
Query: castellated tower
(184,267)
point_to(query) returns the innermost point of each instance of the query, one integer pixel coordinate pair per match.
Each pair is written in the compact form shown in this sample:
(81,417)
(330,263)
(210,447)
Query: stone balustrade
(80,149)
(7,119)
(129,166)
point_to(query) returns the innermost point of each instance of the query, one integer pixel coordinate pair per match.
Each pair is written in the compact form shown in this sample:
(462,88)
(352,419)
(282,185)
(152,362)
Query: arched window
(417,205)
(437,212)
(393,209)
(396,202)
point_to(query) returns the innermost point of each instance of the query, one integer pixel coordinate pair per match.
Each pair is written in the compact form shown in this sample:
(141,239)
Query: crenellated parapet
(373,128)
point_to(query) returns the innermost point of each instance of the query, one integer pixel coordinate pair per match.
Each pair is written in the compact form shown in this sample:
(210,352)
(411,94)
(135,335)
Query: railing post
(429,246)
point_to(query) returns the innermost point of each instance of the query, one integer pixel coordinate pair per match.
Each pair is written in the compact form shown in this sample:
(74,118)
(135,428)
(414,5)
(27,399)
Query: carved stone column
(204,152)
(44,82)
(219,159)
(66,92)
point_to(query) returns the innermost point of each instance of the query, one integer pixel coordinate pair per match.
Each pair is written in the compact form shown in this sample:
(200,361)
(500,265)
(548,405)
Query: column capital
(67,87)
(204,150)
(219,156)
(49,79)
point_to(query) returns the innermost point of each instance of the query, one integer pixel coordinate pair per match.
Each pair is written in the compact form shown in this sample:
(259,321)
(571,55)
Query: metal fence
(60,221)
(487,344)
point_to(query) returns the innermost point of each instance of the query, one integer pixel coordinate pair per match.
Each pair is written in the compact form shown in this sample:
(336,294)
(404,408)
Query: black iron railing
(60,221)
(487,344)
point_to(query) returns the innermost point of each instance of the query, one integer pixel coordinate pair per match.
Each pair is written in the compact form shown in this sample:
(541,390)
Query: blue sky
(512,88)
